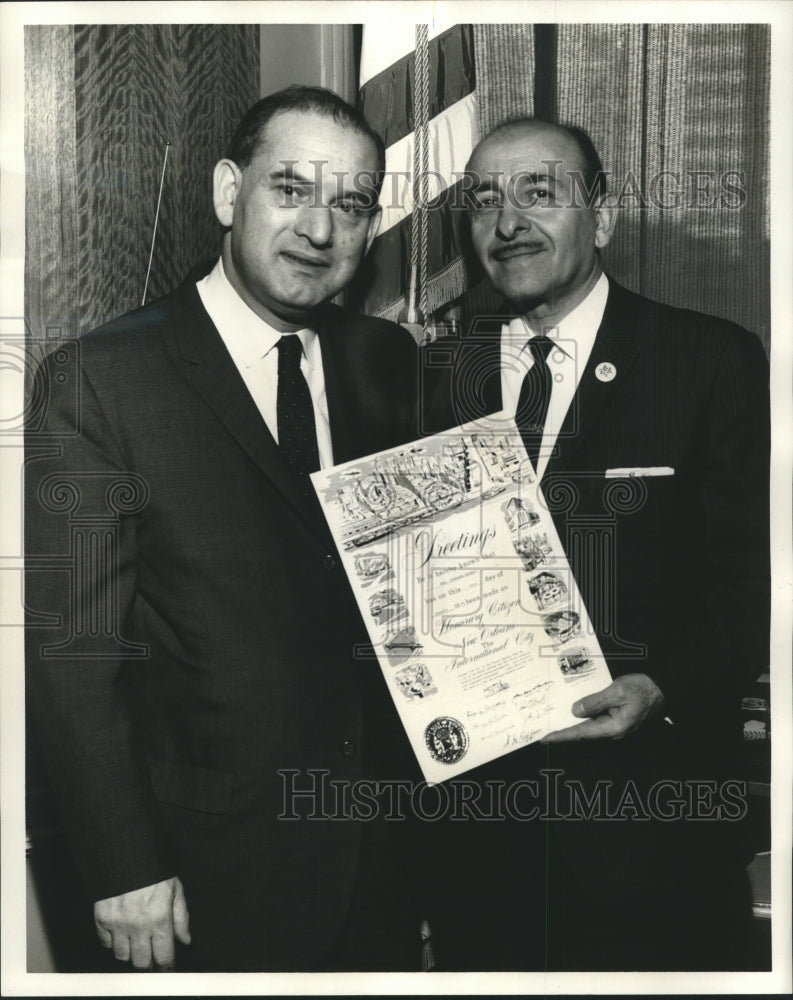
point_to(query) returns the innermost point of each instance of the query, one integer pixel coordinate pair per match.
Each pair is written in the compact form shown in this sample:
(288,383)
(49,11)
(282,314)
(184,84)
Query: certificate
(466,592)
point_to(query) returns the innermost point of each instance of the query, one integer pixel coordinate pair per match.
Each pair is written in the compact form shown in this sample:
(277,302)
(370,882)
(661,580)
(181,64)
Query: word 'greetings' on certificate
(467,594)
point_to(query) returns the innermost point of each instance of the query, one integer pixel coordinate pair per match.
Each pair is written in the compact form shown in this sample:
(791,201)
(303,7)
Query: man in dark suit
(649,429)
(193,670)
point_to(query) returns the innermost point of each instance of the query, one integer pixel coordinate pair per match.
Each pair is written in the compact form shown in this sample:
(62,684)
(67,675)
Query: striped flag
(418,90)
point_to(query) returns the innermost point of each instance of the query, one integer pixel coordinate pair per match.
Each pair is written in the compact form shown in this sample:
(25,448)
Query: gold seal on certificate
(466,592)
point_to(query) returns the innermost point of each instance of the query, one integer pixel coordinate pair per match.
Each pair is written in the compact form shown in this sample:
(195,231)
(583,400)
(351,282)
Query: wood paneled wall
(101,101)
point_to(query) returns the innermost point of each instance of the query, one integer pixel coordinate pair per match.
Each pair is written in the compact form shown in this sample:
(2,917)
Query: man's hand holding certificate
(467,594)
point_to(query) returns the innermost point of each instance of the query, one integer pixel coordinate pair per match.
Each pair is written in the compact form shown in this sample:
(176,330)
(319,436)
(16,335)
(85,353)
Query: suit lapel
(211,371)
(490,336)
(340,392)
(476,378)
(617,344)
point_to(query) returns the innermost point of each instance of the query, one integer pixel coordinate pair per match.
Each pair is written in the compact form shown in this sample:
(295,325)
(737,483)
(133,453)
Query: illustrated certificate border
(466,592)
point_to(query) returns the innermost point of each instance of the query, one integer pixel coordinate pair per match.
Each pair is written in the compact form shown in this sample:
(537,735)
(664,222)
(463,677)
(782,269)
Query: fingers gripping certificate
(466,591)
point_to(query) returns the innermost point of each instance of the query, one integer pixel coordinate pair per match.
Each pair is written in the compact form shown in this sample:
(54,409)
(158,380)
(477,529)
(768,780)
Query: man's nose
(315,222)
(510,220)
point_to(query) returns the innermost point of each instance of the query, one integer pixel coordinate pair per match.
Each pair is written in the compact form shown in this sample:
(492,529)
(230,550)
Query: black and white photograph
(246,249)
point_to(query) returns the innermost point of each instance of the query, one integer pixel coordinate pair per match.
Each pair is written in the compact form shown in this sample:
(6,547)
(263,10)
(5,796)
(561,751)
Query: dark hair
(594,175)
(248,133)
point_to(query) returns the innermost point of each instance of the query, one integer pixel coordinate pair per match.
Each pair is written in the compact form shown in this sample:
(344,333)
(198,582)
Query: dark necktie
(297,432)
(535,395)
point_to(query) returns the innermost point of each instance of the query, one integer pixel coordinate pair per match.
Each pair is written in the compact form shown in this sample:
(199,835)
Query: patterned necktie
(297,432)
(535,395)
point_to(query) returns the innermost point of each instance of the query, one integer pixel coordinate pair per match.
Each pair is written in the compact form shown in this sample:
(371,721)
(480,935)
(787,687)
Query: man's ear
(374,224)
(605,221)
(226,181)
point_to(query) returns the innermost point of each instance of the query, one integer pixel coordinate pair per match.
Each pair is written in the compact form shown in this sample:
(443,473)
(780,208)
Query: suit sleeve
(724,645)
(81,509)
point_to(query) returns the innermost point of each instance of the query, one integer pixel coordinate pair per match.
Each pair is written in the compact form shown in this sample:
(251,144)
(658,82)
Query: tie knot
(540,348)
(290,350)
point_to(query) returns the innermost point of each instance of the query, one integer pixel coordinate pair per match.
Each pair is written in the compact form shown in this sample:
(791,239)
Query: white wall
(310,54)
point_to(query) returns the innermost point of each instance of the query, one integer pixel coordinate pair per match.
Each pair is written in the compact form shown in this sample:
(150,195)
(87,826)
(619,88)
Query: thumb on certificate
(595,704)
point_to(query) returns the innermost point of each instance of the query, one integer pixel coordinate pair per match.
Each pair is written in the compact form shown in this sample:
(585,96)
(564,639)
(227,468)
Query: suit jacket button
(329,562)
(348,748)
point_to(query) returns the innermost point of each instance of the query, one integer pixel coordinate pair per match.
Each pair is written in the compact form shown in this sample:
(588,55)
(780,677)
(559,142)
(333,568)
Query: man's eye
(292,192)
(539,196)
(350,208)
(486,200)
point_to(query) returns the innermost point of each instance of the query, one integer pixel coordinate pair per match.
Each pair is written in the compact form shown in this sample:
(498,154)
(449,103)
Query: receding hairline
(346,126)
(251,128)
(526,126)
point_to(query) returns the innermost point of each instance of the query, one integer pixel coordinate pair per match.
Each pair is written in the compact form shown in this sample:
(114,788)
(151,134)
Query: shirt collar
(581,325)
(247,336)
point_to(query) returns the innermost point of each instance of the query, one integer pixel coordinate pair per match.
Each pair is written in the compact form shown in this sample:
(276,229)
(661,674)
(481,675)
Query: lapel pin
(605,372)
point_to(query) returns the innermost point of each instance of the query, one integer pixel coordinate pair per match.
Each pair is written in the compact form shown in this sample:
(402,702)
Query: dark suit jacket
(673,568)
(192,633)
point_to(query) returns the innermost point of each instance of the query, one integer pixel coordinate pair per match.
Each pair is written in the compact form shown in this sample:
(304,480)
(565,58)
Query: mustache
(514,249)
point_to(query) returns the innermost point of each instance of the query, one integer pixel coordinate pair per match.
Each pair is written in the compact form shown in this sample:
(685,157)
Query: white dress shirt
(252,345)
(574,338)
